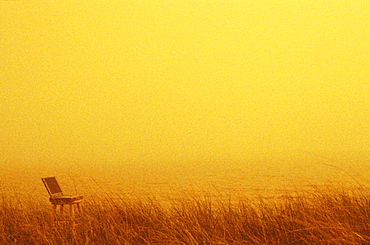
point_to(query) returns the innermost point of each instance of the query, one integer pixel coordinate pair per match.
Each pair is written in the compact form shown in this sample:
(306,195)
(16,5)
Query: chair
(58,198)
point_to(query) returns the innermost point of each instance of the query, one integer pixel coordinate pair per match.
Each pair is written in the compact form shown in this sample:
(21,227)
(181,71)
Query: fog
(160,84)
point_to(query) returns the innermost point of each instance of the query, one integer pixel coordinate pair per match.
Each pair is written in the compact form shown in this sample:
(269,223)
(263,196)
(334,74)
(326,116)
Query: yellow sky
(182,80)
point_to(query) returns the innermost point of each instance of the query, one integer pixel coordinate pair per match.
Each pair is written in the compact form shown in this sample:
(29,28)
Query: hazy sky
(182,80)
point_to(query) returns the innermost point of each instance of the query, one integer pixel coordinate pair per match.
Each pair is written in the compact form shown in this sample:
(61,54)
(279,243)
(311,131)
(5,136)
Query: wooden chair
(58,198)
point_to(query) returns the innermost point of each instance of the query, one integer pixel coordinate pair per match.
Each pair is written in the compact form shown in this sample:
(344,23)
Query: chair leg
(71,210)
(78,208)
(54,216)
(61,208)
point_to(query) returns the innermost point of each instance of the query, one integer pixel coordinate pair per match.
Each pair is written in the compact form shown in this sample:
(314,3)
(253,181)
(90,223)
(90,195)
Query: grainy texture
(321,217)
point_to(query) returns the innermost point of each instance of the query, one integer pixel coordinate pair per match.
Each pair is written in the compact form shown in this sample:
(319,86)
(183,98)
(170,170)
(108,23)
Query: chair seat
(61,200)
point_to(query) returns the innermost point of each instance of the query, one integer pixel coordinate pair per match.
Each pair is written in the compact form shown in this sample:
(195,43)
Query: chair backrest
(52,186)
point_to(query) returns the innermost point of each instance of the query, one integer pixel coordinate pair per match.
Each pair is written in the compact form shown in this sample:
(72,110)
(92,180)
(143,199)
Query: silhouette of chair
(58,198)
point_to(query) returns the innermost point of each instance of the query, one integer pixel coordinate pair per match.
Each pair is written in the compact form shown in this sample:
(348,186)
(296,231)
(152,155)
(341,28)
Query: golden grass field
(328,215)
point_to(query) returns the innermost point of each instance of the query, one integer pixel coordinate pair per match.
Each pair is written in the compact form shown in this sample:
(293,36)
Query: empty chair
(57,197)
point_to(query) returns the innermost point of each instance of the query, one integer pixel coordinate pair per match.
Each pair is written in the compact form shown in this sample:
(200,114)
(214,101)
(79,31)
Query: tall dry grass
(319,217)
